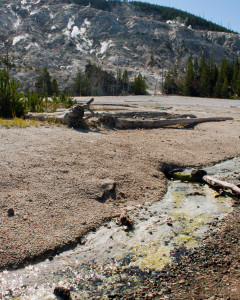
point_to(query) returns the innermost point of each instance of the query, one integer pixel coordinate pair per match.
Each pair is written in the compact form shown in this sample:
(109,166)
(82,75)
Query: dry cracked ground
(60,183)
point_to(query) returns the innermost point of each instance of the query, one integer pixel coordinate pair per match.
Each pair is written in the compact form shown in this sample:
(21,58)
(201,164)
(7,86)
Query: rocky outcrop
(63,37)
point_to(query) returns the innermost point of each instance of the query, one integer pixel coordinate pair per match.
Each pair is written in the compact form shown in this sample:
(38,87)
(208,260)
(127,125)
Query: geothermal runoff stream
(114,258)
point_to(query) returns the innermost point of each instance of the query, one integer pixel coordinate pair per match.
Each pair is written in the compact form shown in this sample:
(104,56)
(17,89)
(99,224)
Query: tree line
(164,13)
(14,103)
(93,81)
(99,4)
(206,79)
(168,13)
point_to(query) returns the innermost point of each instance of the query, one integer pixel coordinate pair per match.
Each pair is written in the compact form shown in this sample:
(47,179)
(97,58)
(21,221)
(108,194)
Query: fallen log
(219,183)
(131,124)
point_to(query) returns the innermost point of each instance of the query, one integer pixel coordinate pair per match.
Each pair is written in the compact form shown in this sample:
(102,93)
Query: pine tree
(55,89)
(170,86)
(78,83)
(225,93)
(213,75)
(125,81)
(236,70)
(204,81)
(119,75)
(139,85)
(217,89)
(11,101)
(195,82)
(82,85)
(220,79)
(188,89)
(44,84)
(237,85)
(119,80)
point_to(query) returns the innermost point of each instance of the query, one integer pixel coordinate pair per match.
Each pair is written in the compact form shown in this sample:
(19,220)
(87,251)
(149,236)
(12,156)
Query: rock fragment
(62,292)
(10,212)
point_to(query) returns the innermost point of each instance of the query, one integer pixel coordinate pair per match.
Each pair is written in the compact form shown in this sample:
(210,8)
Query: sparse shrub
(66,100)
(34,102)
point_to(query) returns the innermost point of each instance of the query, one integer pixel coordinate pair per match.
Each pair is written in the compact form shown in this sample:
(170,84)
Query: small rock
(10,212)
(113,296)
(126,221)
(108,192)
(122,195)
(62,292)
(9,292)
(166,290)
(195,194)
(181,281)
(212,298)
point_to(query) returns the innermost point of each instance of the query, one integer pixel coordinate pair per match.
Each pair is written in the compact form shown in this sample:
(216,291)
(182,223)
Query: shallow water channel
(113,259)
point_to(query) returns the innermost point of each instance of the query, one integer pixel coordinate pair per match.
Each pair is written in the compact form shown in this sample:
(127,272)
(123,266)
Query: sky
(221,12)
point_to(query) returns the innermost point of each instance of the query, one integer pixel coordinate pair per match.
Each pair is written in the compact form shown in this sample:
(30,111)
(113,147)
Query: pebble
(181,281)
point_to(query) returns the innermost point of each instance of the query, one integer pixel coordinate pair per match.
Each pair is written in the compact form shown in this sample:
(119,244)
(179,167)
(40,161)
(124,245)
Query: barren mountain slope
(63,37)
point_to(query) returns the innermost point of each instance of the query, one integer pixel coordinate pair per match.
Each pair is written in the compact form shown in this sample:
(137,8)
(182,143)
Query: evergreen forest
(46,97)
(205,79)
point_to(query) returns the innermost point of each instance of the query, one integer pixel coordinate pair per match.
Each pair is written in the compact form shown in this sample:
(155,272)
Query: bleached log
(86,106)
(215,182)
(127,124)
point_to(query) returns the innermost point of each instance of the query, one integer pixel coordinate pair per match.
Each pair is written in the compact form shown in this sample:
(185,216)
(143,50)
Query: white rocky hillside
(63,37)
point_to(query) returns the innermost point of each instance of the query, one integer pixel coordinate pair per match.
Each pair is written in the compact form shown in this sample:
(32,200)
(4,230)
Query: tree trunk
(215,182)
(125,124)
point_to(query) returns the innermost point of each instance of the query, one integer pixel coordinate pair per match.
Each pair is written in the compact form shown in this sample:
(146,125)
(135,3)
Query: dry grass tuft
(18,122)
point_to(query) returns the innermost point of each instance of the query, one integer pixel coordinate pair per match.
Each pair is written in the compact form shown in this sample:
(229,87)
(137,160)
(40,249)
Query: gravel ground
(61,183)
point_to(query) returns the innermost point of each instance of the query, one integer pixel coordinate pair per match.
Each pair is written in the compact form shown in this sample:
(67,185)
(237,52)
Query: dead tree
(74,117)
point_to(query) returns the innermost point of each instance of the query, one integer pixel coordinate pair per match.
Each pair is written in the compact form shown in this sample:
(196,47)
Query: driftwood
(219,183)
(127,124)
(74,116)
(146,115)
(86,106)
